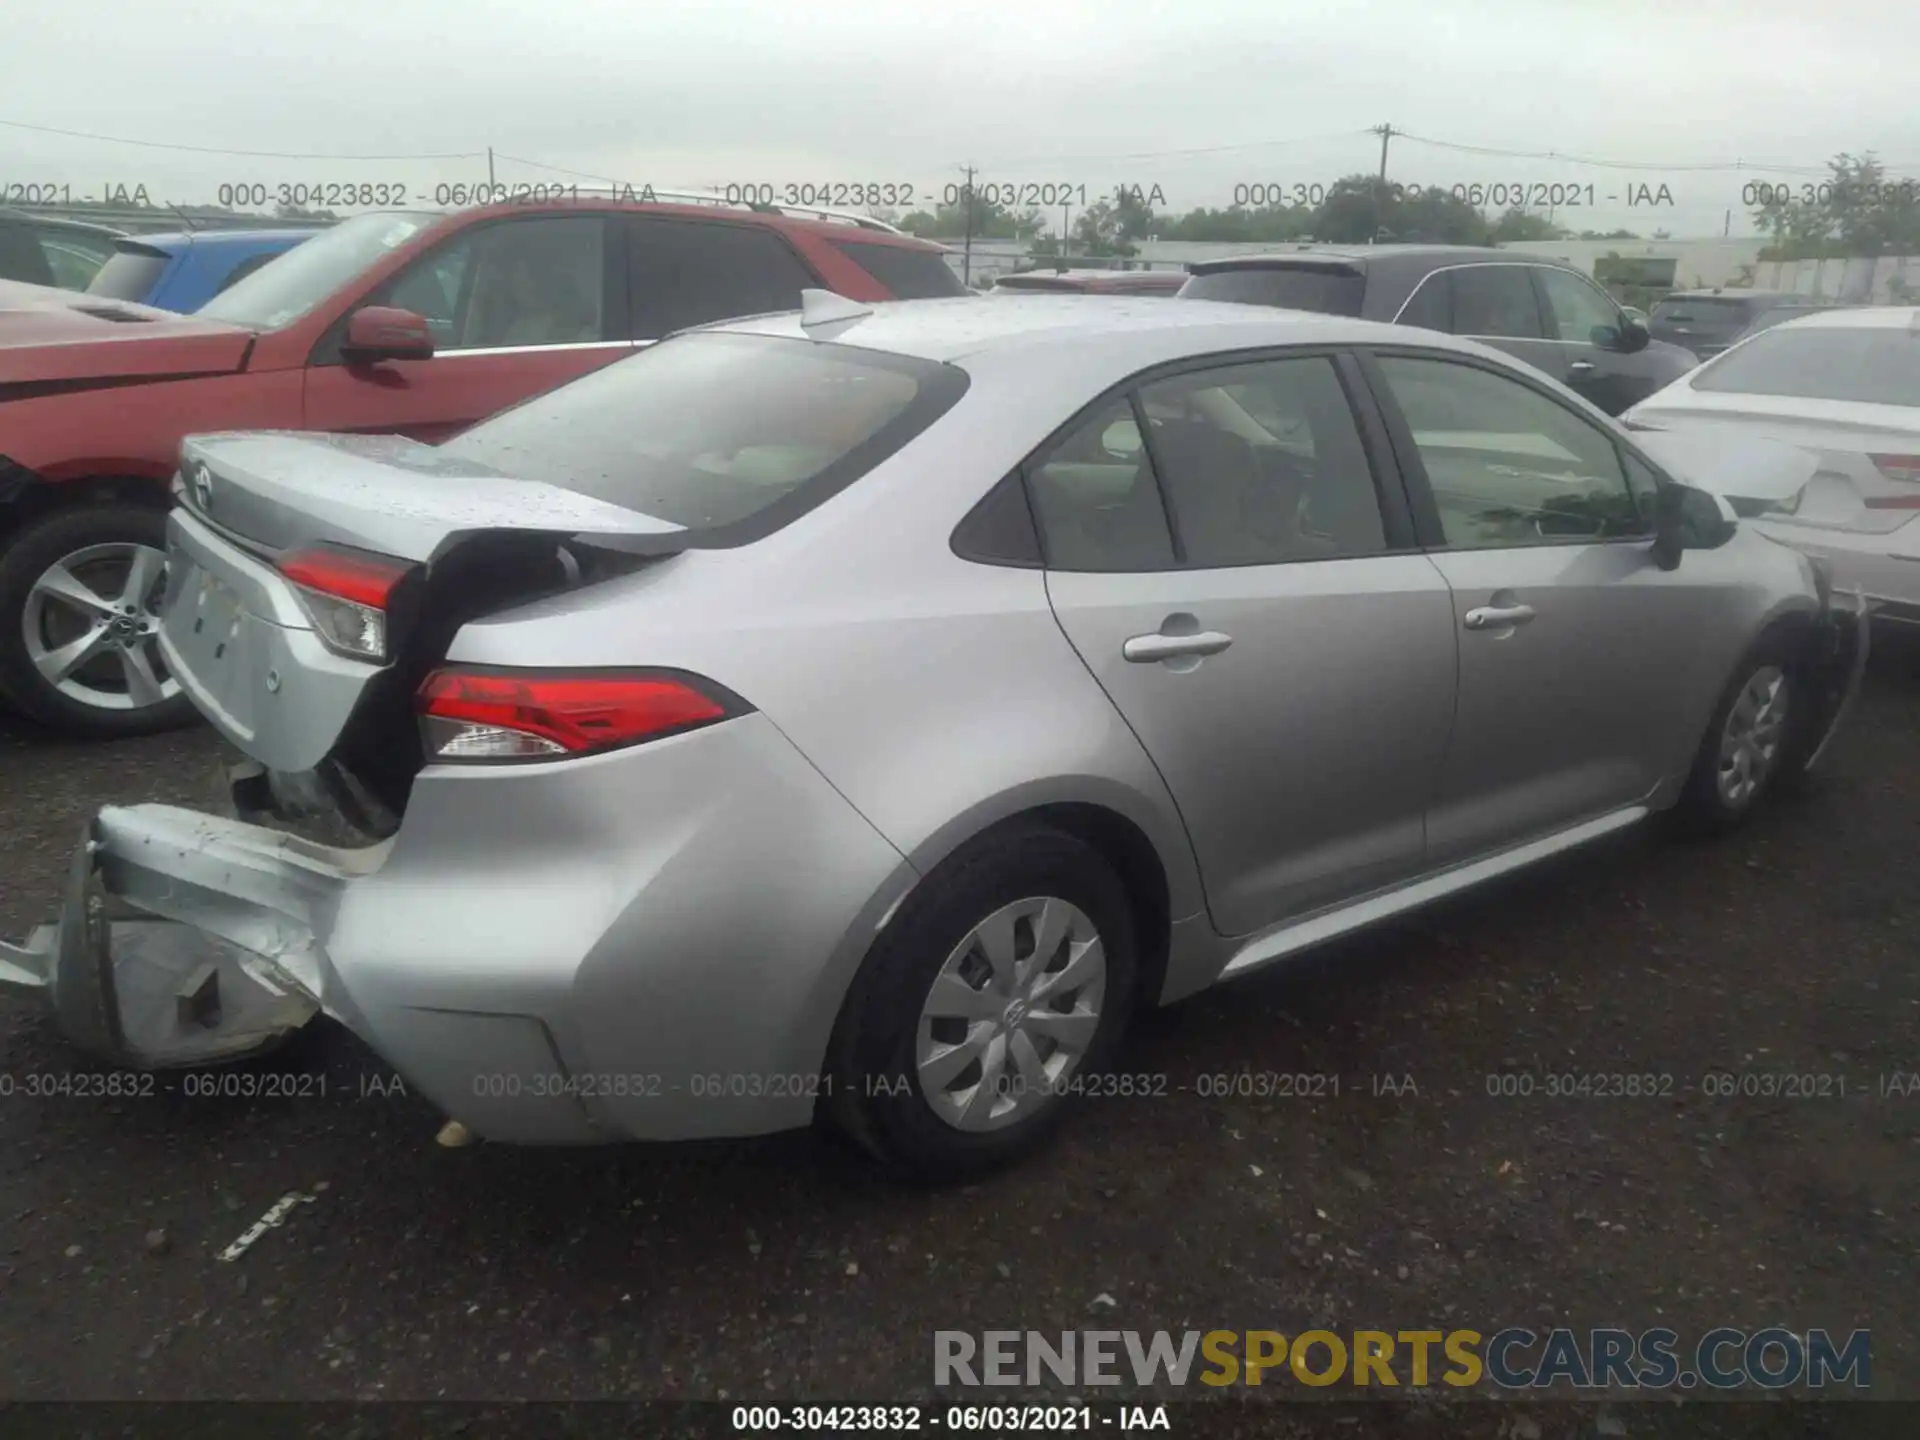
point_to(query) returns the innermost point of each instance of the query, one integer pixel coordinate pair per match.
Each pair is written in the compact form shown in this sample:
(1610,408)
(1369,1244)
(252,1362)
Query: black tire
(1703,808)
(27,557)
(875,1097)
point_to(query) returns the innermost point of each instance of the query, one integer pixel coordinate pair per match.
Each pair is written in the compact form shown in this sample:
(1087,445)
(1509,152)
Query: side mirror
(384,332)
(1631,335)
(1687,519)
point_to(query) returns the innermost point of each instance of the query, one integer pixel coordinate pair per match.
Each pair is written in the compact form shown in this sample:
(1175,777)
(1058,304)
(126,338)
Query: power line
(216,150)
(1667,167)
(1175,154)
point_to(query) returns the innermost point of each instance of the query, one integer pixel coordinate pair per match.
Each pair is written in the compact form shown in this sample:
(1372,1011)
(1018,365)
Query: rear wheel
(1751,746)
(1007,978)
(79,623)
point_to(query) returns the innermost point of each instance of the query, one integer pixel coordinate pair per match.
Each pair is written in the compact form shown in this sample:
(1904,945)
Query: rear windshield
(129,274)
(729,435)
(1317,287)
(908,273)
(1877,366)
(1724,312)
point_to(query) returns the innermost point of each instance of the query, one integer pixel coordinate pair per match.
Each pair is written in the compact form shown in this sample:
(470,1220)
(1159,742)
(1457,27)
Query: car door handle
(1146,649)
(1581,367)
(1498,617)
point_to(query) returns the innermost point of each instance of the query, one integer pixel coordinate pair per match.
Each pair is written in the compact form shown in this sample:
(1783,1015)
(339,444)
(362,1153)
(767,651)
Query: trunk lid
(1864,455)
(244,641)
(61,336)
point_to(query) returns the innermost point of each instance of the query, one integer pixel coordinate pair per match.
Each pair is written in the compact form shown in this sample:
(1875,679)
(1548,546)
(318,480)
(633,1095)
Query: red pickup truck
(408,322)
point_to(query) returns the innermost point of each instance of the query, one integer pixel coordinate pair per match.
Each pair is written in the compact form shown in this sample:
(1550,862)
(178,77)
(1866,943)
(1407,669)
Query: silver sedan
(858,714)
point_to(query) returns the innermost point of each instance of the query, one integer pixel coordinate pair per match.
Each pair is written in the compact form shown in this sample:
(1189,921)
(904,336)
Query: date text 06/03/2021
(983,1420)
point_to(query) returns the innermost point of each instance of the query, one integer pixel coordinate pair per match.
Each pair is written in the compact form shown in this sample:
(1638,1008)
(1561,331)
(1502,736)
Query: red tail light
(533,715)
(1898,467)
(356,575)
(346,593)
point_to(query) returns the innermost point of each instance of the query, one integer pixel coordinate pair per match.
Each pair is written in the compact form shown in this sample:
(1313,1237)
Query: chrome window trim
(540,349)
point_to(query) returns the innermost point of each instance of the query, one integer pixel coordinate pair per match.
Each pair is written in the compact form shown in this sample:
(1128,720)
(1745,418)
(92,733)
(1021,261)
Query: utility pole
(1385,132)
(490,171)
(966,256)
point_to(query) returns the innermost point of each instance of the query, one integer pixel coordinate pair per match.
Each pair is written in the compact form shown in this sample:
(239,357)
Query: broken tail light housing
(1903,468)
(472,715)
(347,594)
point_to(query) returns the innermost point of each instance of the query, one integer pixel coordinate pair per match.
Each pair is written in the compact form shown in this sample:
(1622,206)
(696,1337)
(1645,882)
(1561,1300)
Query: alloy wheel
(92,627)
(1754,735)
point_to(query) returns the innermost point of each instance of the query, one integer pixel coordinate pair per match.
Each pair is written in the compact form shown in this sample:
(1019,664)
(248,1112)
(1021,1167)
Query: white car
(1844,384)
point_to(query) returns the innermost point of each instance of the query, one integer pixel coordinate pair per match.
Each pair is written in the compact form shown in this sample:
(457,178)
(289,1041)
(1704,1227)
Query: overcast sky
(1058,91)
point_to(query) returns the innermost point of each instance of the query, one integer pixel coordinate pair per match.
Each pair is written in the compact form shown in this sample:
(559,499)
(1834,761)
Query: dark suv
(1545,313)
(1708,321)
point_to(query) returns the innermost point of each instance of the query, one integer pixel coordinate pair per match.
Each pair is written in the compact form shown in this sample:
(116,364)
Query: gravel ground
(785,1269)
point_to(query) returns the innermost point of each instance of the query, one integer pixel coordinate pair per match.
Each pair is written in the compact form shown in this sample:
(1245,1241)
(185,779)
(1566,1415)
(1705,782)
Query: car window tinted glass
(277,295)
(1507,465)
(709,431)
(1706,309)
(1430,306)
(1875,366)
(1576,307)
(74,257)
(908,274)
(21,257)
(1262,464)
(684,272)
(1644,485)
(433,287)
(240,272)
(1095,497)
(1495,300)
(129,275)
(536,282)
(1323,288)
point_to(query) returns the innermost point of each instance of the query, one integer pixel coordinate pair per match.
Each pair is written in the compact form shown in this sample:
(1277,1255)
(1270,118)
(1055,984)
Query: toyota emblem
(203,489)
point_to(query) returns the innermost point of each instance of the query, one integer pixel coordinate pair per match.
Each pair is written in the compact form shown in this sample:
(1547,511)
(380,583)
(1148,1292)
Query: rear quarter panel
(936,694)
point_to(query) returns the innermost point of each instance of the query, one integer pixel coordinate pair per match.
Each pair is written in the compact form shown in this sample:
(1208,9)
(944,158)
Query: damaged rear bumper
(188,939)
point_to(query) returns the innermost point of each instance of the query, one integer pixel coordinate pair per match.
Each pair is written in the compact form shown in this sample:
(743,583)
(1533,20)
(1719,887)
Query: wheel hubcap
(1011,1014)
(1756,730)
(92,627)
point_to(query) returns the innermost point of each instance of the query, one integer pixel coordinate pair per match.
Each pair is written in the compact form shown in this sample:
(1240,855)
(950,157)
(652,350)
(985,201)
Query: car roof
(1132,330)
(841,230)
(60,222)
(180,238)
(1732,293)
(1363,256)
(1862,317)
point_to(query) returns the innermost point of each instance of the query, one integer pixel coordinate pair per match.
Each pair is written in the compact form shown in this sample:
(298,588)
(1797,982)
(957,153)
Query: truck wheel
(79,623)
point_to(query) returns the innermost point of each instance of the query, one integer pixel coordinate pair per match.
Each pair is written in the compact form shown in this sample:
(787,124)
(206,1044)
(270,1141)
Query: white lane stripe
(269,1221)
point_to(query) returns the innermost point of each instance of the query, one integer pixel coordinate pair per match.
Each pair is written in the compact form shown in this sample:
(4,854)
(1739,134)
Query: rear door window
(730,436)
(908,273)
(1431,306)
(1327,289)
(691,272)
(1496,301)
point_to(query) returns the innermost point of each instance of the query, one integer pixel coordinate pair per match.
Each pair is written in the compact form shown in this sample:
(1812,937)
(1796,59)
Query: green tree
(991,221)
(1097,231)
(1857,210)
(1518,224)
